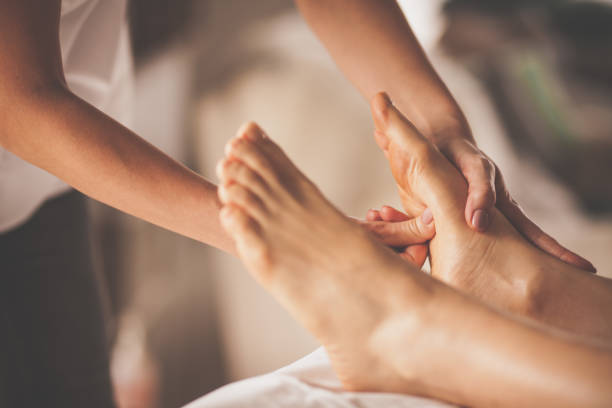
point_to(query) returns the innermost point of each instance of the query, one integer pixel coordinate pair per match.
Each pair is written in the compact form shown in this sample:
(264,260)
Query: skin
(499,267)
(396,225)
(389,57)
(313,259)
(44,123)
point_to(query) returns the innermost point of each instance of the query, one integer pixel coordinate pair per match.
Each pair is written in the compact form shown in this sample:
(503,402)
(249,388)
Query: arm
(44,123)
(388,57)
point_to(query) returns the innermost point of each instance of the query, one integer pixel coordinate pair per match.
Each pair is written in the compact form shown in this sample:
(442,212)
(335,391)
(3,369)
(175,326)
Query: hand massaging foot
(498,267)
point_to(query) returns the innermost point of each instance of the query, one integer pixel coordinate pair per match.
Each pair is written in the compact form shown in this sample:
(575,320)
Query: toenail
(480,220)
(427,216)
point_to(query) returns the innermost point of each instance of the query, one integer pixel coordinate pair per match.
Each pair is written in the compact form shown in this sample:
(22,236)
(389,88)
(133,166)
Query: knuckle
(411,229)
(486,165)
(378,228)
(488,196)
(482,193)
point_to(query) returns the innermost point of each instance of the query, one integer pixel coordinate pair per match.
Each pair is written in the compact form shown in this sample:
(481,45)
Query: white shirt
(98,67)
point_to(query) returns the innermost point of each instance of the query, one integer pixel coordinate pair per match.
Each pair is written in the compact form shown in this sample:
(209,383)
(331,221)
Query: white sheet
(309,383)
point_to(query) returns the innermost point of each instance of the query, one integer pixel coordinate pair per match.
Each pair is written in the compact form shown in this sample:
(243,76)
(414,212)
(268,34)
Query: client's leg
(499,267)
(386,326)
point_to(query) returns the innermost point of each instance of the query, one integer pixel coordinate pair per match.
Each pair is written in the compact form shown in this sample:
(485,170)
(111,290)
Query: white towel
(308,383)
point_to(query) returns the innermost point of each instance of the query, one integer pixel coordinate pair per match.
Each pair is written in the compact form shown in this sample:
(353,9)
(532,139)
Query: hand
(487,189)
(406,236)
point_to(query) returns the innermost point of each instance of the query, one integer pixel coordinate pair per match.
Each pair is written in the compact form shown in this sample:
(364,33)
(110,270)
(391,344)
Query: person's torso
(97,62)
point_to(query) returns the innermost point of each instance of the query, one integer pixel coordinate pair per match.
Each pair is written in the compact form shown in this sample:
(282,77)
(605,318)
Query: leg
(386,326)
(499,267)
(54,343)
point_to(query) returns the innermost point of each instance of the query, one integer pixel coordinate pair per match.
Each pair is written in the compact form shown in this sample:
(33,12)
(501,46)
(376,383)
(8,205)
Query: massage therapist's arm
(42,122)
(372,43)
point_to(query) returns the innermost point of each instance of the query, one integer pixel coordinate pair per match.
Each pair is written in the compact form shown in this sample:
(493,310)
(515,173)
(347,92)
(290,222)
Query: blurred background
(534,79)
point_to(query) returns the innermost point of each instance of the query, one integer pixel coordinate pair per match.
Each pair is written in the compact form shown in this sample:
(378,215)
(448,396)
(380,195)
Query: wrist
(441,121)
(448,128)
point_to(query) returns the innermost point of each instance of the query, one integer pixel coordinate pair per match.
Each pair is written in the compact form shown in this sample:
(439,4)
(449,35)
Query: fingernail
(427,216)
(480,220)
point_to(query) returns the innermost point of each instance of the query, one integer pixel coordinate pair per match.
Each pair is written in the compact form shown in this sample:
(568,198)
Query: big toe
(248,147)
(251,131)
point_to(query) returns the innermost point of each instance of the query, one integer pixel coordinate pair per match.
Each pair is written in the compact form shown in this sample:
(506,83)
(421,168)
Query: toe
(234,171)
(249,238)
(253,155)
(242,197)
(237,222)
(244,229)
(266,159)
(251,131)
(279,160)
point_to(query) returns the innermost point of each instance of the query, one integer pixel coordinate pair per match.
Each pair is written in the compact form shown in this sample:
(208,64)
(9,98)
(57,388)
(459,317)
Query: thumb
(413,231)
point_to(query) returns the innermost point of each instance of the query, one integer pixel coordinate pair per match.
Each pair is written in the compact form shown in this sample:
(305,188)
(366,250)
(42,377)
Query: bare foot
(332,275)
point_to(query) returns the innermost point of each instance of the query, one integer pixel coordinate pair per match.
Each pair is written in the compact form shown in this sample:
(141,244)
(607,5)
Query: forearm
(372,43)
(58,132)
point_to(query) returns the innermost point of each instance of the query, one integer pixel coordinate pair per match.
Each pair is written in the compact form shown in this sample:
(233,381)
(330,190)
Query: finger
(539,238)
(415,254)
(403,233)
(480,202)
(373,215)
(382,141)
(393,127)
(480,174)
(390,214)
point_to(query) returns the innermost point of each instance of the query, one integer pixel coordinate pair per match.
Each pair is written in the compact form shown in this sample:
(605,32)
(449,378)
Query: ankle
(530,280)
(417,343)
